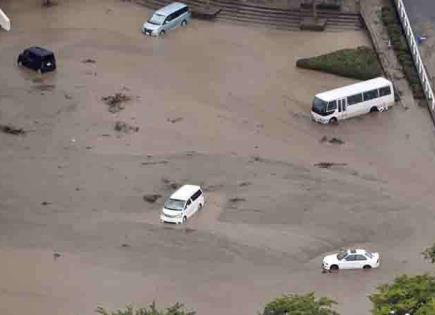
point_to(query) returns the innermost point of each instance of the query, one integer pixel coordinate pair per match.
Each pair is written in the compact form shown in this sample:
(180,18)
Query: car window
(369,255)
(332,106)
(360,257)
(385,91)
(196,195)
(189,202)
(170,17)
(157,19)
(369,95)
(176,14)
(350,258)
(354,99)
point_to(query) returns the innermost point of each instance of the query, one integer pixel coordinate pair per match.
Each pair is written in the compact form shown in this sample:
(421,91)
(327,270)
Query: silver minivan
(167,18)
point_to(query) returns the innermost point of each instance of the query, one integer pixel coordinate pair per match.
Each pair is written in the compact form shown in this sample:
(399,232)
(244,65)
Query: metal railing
(418,61)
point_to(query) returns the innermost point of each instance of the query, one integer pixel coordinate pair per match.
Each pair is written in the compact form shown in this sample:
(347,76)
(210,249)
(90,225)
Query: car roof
(170,8)
(356,88)
(357,251)
(185,192)
(40,51)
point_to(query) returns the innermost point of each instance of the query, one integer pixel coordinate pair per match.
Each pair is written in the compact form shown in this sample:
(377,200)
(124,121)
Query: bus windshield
(319,106)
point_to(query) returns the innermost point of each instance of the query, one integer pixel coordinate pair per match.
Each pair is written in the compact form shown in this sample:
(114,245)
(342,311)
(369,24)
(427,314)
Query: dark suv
(38,59)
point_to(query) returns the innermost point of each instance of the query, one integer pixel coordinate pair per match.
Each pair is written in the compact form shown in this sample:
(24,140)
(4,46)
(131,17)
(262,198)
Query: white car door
(189,208)
(342,114)
(361,261)
(348,262)
(171,21)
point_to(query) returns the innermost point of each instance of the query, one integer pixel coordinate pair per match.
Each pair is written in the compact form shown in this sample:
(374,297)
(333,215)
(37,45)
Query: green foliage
(176,309)
(427,309)
(361,63)
(429,254)
(400,46)
(300,305)
(413,295)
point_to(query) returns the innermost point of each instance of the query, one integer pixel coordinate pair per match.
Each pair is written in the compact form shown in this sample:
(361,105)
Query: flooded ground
(216,104)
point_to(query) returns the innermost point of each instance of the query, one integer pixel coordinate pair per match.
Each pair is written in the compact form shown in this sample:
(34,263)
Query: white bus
(353,100)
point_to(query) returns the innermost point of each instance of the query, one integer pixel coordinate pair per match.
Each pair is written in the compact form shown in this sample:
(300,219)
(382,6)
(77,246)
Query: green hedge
(400,46)
(360,63)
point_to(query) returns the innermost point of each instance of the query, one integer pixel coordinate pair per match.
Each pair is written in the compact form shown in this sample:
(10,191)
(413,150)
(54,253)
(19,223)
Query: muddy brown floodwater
(215,104)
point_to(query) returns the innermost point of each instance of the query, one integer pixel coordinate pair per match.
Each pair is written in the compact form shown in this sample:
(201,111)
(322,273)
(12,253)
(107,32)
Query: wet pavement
(422,16)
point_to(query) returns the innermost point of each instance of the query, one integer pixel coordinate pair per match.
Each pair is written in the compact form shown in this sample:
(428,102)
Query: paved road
(421,11)
(422,16)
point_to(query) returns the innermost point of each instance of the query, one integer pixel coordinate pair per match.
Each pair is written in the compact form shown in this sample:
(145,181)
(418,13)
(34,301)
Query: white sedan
(351,259)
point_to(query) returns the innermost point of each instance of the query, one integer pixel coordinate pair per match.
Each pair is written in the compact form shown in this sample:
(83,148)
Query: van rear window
(196,195)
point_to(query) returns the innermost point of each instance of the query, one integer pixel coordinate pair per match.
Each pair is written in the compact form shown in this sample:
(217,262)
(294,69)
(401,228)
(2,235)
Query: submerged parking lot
(214,104)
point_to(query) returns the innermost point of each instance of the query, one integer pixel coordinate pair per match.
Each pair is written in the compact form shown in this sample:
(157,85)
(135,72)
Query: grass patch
(360,63)
(398,41)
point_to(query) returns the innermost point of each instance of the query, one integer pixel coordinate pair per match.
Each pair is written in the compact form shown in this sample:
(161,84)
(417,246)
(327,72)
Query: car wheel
(183,23)
(374,109)
(333,268)
(184,219)
(333,121)
(367,267)
(162,33)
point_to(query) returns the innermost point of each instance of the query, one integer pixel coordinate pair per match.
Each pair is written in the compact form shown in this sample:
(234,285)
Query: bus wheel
(333,121)
(374,109)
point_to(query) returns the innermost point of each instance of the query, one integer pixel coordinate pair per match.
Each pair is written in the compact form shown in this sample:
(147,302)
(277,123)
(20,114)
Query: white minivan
(182,204)
(166,18)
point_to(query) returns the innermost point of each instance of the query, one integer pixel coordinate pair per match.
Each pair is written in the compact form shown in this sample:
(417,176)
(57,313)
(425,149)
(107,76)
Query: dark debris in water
(332,140)
(329,164)
(12,130)
(151,198)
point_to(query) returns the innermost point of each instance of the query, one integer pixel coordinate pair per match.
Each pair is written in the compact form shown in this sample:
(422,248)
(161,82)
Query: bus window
(369,95)
(319,106)
(354,99)
(385,91)
(332,106)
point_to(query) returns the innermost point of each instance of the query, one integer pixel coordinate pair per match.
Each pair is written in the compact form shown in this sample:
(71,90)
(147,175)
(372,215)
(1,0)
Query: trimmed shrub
(360,63)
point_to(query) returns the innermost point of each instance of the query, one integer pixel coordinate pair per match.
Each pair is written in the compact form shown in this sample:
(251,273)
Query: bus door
(342,114)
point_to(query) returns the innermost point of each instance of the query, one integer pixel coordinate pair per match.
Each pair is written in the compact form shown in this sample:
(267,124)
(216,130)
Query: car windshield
(319,106)
(157,19)
(174,204)
(341,255)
